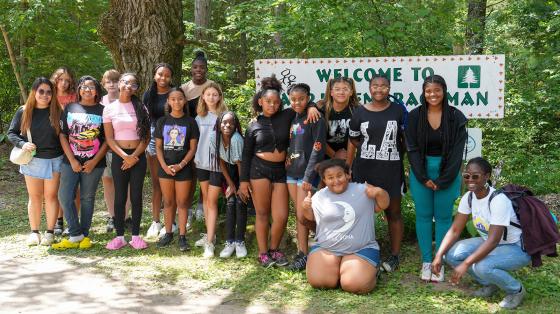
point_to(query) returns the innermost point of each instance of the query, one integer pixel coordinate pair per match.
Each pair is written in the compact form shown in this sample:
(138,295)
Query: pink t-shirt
(123,118)
(105,100)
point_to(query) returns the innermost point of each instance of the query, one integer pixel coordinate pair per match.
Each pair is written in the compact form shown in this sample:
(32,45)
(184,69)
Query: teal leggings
(431,204)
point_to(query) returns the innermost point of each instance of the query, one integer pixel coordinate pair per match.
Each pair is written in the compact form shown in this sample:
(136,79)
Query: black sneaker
(390,264)
(183,244)
(278,257)
(58,227)
(265,260)
(299,262)
(165,240)
(110,224)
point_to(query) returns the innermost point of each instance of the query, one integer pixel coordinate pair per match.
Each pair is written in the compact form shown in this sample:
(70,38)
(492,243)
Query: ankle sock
(50,231)
(35,231)
(60,220)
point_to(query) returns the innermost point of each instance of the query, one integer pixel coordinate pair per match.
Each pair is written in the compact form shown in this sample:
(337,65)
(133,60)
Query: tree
(140,34)
(476,23)
(201,18)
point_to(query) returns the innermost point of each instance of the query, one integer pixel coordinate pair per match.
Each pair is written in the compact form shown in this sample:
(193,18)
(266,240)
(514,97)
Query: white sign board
(475,83)
(474,143)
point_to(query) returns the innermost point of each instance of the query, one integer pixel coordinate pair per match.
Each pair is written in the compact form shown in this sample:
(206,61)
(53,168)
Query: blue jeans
(69,181)
(493,269)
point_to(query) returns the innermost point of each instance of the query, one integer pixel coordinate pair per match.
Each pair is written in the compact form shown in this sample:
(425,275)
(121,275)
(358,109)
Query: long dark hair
(30,103)
(142,118)
(98,89)
(268,84)
(423,124)
(152,91)
(353,101)
(218,131)
(185,107)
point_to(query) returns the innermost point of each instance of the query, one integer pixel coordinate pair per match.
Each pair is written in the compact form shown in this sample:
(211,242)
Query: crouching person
(346,252)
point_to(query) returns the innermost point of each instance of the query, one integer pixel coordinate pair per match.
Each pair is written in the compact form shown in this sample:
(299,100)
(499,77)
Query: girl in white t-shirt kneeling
(498,251)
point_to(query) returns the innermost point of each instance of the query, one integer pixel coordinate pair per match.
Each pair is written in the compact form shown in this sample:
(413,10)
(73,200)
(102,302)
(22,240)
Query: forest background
(84,35)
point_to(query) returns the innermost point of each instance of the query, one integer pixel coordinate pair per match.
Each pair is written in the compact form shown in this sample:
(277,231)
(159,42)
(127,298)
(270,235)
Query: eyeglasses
(338,90)
(132,86)
(468,176)
(380,87)
(42,92)
(87,88)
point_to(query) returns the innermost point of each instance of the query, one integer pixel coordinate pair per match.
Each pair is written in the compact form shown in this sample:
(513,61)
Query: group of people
(339,161)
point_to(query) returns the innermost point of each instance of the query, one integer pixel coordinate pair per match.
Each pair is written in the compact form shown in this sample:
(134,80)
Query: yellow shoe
(65,244)
(85,243)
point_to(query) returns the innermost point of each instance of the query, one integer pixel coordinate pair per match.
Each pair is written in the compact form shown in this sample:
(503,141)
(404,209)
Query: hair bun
(199,54)
(271,83)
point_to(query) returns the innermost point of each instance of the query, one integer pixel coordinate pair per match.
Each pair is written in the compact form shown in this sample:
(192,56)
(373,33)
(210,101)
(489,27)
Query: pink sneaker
(115,244)
(138,243)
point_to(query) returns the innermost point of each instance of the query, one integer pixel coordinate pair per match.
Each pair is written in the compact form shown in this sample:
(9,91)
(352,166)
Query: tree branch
(14,64)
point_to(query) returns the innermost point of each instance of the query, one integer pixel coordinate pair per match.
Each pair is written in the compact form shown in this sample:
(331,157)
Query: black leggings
(135,177)
(236,210)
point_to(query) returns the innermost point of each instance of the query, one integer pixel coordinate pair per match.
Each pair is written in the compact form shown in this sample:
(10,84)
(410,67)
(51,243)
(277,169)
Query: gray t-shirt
(232,154)
(346,221)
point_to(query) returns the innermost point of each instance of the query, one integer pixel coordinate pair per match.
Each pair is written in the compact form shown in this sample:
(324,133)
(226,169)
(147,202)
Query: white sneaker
(228,250)
(154,230)
(438,278)
(48,239)
(208,250)
(162,231)
(202,240)
(240,249)
(33,239)
(66,232)
(426,273)
(199,213)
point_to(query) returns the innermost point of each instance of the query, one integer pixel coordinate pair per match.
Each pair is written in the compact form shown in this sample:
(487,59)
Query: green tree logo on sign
(468,76)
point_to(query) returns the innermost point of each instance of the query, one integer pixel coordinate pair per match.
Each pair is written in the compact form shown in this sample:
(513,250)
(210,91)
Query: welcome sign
(475,82)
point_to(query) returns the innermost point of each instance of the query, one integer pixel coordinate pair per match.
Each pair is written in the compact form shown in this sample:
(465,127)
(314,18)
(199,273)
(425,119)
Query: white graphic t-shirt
(500,214)
(346,221)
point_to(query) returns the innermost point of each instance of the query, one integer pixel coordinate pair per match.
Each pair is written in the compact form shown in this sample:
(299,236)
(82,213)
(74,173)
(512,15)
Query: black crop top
(266,135)
(435,142)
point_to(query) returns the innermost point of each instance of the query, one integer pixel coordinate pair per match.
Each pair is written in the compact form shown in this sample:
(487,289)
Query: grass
(244,283)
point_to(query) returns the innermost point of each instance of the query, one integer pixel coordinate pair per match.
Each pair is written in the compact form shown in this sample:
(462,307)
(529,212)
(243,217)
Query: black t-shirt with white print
(176,134)
(379,158)
(337,135)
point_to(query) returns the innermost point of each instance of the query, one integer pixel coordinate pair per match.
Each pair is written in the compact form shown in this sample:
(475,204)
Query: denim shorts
(299,181)
(368,254)
(41,168)
(151,148)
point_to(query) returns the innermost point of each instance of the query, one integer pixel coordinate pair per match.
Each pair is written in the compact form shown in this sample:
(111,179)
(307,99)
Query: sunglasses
(42,92)
(474,176)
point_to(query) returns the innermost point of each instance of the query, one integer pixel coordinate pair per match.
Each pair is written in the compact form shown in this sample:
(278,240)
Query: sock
(35,231)
(182,236)
(50,231)
(76,239)
(169,233)
(60,220)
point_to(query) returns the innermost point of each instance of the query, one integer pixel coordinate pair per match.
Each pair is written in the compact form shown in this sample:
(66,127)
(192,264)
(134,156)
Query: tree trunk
(242,61)
(14,63)
(201,18)
(140,34)
(278,12)
(476,23)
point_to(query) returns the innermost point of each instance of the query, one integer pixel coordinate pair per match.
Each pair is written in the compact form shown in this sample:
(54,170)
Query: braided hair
(423,124)
(142,118)
(218,130)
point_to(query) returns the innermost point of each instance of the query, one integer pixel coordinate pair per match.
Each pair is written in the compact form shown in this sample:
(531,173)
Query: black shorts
(183,175)
(202,174)
(264,169)
(218,179)
(394,185)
